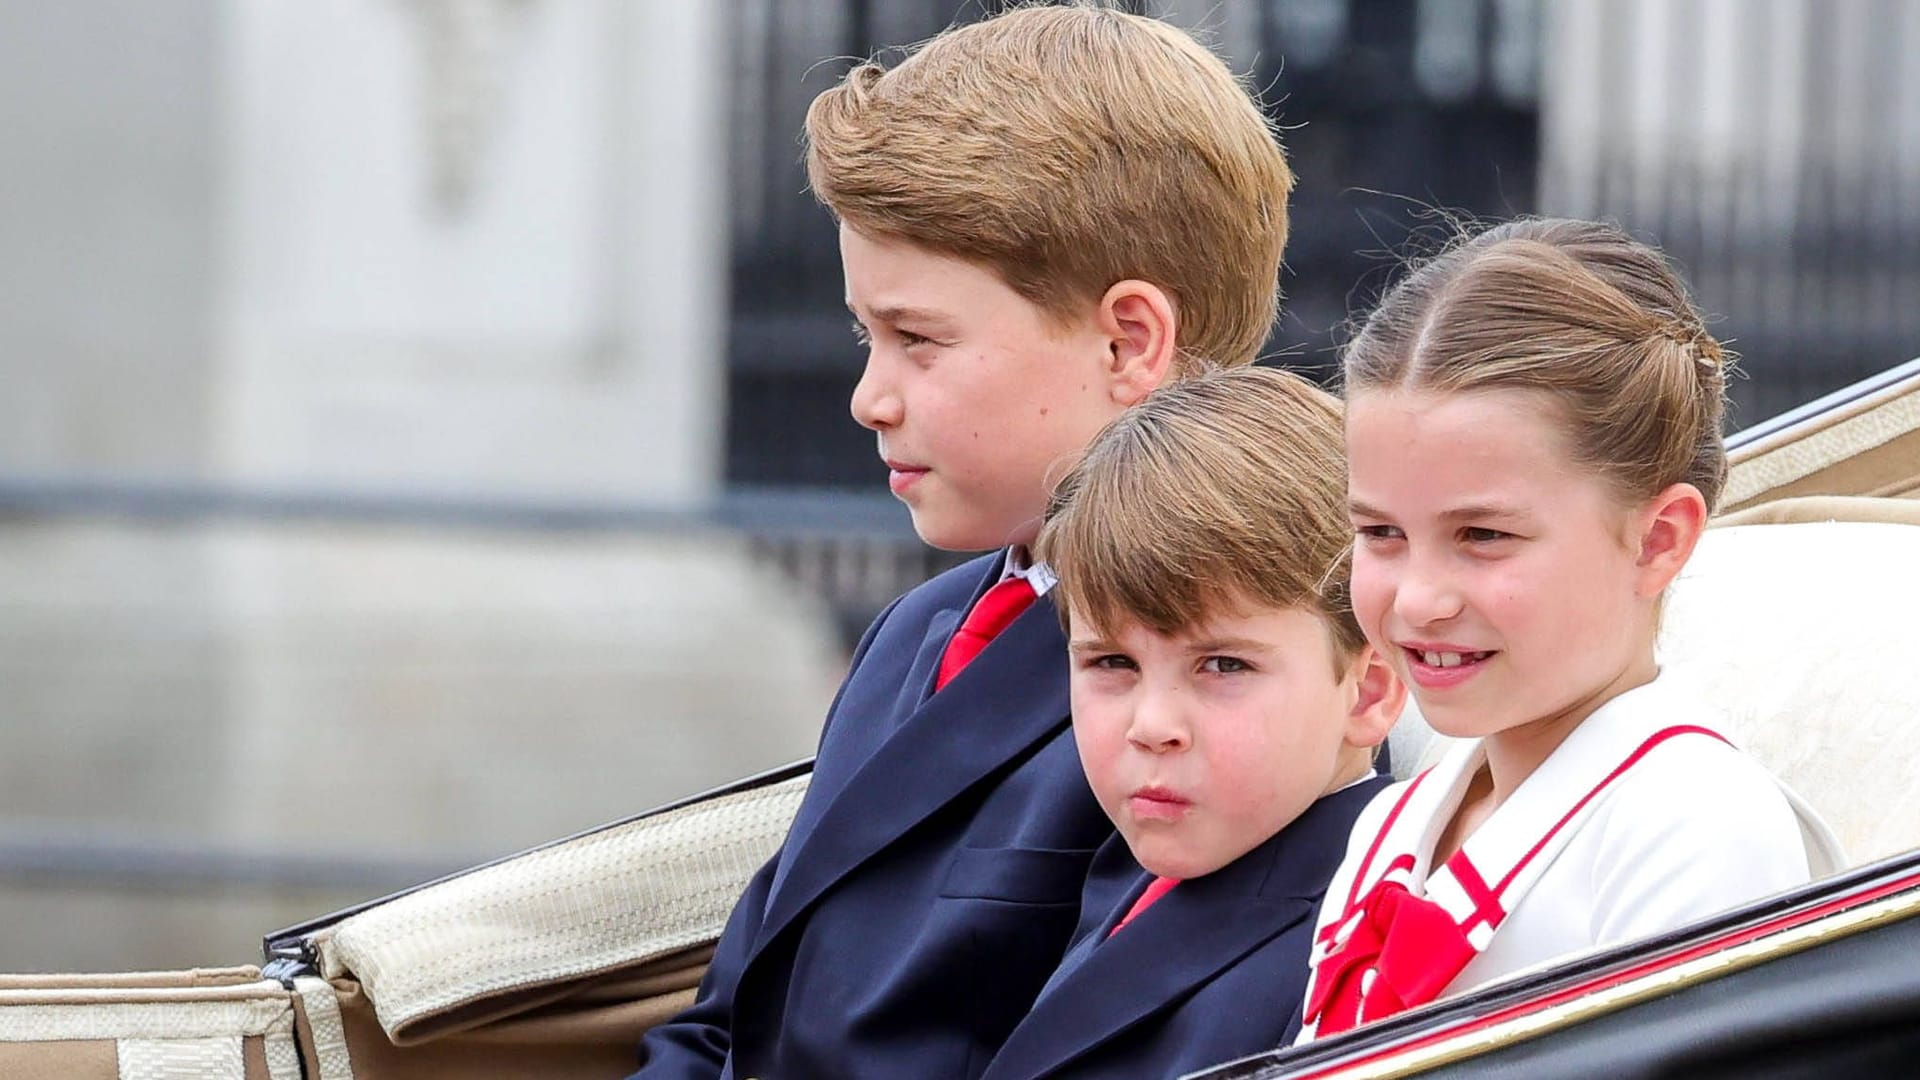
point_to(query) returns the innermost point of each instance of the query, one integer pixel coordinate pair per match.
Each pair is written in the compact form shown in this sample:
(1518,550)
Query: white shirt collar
(1020,564)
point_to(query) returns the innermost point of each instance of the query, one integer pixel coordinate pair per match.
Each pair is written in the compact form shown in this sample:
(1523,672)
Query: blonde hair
(1227,488)
(1581,312)
(1067,149)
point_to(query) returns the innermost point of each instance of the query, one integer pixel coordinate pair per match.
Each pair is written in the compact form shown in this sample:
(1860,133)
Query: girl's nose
(1426,595)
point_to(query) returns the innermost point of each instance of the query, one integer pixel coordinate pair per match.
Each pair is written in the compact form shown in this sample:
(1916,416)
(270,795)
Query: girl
(1533,427)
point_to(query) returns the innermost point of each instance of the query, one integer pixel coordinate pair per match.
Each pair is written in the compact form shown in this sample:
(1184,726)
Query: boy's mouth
(901,476)
(1158,804)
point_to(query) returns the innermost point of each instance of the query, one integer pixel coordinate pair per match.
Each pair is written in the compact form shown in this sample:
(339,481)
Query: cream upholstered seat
(1807,638)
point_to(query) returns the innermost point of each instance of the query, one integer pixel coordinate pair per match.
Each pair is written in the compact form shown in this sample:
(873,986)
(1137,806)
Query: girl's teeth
(1441,659)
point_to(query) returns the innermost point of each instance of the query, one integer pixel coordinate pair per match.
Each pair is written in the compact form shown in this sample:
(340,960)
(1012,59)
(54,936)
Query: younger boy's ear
(1141,323)
(1670,526)
(1379,696)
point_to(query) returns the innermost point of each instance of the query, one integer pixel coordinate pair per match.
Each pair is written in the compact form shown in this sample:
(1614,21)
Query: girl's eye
(1224,665)
(1475,534)
(1379,532)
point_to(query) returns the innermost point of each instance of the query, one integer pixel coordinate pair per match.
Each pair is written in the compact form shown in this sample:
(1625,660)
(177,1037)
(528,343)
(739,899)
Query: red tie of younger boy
(1157,888)
(994,612)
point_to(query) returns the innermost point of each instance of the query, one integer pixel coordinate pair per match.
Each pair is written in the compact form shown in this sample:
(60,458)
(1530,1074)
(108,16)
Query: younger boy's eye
(1110,662)
(1224,665)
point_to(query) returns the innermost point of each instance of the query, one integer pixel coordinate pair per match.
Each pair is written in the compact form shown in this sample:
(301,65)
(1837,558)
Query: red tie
(994,612)
(1157,888)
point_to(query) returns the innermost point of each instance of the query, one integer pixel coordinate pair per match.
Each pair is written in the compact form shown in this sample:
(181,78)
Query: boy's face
(979,398)
(1203,744)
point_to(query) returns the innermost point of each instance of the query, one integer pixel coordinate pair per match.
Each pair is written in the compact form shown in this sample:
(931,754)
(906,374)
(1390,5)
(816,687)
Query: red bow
(1412,944)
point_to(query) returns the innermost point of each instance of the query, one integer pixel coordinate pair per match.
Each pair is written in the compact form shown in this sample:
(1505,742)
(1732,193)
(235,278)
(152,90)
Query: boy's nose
(875,406)
(1157,724)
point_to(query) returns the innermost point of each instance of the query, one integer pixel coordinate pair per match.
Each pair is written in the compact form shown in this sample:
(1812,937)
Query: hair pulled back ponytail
(1576,310)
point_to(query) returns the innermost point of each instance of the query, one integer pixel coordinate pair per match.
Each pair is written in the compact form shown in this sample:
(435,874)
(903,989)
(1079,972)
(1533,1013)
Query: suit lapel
(1012,697)
(1185,939)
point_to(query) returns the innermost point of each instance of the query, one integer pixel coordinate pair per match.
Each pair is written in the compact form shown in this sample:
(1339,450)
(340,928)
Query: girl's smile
(1501,579)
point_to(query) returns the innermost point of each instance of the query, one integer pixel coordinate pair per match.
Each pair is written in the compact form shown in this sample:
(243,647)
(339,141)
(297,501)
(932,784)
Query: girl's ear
(1379,697)
(1670,526)
(1141,323)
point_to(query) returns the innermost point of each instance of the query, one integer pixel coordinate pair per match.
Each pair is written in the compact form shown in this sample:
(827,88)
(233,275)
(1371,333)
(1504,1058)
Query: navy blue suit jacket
(1214,970)
(931,879)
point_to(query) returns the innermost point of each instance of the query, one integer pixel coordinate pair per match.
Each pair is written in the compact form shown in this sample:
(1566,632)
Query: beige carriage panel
(151,1026)
(587,941)
(1866,447)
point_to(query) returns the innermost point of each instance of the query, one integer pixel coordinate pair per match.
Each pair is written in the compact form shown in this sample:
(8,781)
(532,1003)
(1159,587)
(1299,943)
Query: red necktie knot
(993,612)
(1157,888)
(1402,952)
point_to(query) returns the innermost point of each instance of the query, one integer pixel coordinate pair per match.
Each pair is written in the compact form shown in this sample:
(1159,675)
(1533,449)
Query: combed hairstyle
(1068,149)
(1222,492)
(1582,313)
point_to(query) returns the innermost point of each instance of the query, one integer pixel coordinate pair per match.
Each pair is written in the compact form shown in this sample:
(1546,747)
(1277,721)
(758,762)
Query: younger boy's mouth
(1158,804)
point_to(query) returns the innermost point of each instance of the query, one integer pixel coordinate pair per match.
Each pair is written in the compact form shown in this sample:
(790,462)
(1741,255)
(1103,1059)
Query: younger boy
(1040,216)
(1226,707)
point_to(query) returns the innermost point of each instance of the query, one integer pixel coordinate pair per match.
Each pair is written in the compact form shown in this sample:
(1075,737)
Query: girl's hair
(1581,312)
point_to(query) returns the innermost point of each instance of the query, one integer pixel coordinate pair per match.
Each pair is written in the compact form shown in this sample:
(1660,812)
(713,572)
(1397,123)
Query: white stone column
(474,248)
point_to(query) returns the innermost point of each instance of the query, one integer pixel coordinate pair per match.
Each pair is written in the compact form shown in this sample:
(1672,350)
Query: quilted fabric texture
(599,902)
(181,1059)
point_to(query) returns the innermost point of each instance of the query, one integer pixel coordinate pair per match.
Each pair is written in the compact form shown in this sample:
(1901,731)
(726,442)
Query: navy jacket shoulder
(1213,971)
(930,881)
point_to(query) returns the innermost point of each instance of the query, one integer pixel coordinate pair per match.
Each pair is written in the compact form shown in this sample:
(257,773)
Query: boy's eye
(1476,534)
(1224,665)
(910,339)
(1110,662)
(860,335)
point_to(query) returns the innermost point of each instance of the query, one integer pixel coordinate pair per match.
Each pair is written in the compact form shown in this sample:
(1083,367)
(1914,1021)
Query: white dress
(1641,821)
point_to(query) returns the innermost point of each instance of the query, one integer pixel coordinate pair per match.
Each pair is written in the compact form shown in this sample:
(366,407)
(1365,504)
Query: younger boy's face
(1203,744)
(978,397)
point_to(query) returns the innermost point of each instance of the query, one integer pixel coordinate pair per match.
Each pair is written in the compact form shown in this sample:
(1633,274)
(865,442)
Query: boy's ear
(1141,323)
(1670,526)
(1379,696)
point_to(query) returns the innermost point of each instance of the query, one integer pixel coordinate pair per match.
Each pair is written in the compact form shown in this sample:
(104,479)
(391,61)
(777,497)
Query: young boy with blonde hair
(1226,708)
(1042,216)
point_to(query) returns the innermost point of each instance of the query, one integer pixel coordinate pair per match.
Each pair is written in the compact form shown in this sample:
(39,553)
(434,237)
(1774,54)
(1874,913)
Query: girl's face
(1503,582)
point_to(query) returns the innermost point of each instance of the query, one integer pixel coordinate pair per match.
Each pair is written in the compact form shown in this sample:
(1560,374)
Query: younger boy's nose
(1157,727)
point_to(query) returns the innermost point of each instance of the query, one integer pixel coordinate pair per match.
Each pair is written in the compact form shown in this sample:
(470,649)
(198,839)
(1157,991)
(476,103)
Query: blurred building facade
(448,277)
(1773,149)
